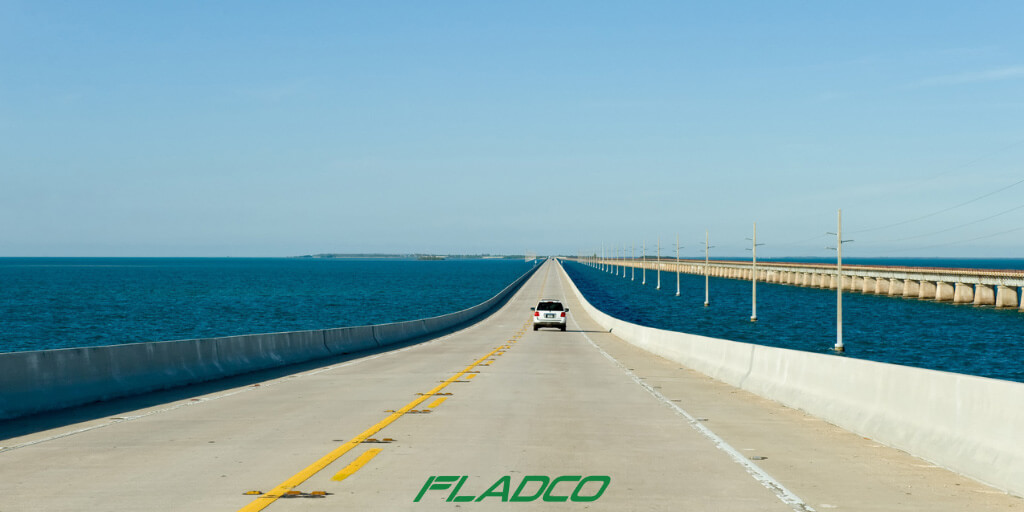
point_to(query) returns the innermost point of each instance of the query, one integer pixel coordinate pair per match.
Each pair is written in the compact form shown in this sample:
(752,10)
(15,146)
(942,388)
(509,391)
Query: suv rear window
(549,306)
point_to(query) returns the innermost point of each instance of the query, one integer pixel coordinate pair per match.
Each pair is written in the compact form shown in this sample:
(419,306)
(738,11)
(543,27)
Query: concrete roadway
(580,403)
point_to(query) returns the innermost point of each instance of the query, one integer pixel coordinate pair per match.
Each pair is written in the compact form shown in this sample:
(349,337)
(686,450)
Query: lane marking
(264,501)
(356,465)
(508,305)
(753,470)
(439,401)
(236,391)
(471,376)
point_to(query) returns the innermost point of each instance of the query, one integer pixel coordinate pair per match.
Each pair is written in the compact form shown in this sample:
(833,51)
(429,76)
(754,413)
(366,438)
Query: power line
(954,227)
(944,210)
(956,242)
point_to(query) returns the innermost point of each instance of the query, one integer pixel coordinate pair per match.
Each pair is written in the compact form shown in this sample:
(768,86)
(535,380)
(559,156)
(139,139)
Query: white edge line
(754,470)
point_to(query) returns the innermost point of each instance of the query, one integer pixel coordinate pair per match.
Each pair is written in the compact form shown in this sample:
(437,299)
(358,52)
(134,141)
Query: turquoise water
(48,303)
(965,339)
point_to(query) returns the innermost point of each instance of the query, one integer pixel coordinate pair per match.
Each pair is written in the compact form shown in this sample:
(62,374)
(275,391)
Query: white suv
(549,313)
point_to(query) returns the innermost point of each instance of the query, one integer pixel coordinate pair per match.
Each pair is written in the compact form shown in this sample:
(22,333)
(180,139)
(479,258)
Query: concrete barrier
(971,425)
(45,380)
(346,340)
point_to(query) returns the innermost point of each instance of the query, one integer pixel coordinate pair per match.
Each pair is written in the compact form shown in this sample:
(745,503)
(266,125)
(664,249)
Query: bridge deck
(575,403)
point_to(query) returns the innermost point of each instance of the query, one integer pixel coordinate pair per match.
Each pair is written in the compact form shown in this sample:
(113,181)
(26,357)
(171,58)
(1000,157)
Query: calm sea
(48,303)
(965,339)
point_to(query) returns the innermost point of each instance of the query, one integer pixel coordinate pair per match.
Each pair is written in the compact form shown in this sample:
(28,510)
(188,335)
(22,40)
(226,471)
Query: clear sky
(283,128)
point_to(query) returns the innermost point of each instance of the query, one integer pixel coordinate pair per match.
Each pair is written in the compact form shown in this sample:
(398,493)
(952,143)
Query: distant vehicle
(549,313)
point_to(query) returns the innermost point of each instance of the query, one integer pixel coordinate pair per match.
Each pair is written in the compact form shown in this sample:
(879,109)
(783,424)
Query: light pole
(706,247)
(753,276)
(615,259)
(677,264)
(643,265)
(659,264)
(839,281)
(632,268)
(623,261)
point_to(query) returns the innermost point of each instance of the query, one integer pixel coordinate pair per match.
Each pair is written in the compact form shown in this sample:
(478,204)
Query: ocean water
(966,339)
(48,303)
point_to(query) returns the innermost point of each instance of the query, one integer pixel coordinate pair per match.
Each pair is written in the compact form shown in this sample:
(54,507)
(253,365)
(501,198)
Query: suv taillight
(536,313)
(563,314)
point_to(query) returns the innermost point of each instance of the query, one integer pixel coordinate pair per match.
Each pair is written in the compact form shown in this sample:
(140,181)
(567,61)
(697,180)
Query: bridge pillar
(944,292)
(911,288)
(895,287)
(984,295)
(790,278)
(926,290)
(963,293)
(832,284)
(856,283)
(868,285)
(881,286)
(1006,297)
(806,279)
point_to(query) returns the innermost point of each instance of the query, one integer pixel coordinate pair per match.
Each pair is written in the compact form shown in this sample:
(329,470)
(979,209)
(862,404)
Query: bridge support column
(984,295)
(895,287)
(806,279)
(832,282)
(927,290)
(963,293)
(944,292)
(856,283)
(868,285)
(911,288)
(881,286)
(1006,297)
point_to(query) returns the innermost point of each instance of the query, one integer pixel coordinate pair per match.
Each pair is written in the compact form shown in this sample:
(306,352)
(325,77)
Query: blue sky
(275,129)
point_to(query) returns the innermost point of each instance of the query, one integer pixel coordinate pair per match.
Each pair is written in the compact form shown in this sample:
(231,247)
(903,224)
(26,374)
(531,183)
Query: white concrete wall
(44,380)
(971,425)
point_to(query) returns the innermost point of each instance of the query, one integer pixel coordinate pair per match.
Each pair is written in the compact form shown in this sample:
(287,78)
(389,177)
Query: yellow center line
(356,465)
(265,500)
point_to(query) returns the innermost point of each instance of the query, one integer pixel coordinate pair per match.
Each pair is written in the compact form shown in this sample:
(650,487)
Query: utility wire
(949,229)
(944,210)
(1014,230)
(955,169)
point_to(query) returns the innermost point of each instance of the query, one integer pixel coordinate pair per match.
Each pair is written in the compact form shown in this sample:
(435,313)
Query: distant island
(417,256)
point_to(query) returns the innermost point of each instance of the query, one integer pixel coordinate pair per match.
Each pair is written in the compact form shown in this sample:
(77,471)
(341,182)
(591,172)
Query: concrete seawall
(44,380)
(971,425)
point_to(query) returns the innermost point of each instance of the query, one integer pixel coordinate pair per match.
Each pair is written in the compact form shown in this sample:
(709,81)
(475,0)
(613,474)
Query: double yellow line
(265,500)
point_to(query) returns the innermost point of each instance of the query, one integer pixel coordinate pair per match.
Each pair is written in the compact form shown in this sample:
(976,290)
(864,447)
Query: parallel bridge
(981,287)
